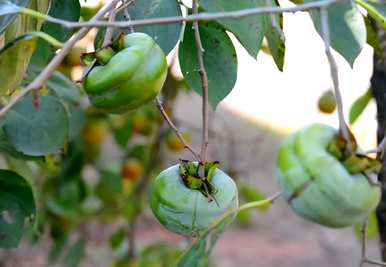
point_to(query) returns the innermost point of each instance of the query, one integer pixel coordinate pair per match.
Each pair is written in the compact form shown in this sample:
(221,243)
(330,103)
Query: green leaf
(59,85)
(376,9)
(76,120)
(249,193)
(275,43)
(28,37)
(75,254)
(64,88)
(17,206)
(197,255)
(66,200)
(122,129)
(37,131)
(57,249)
(7,148)
(220,61)
(110,182)
(15,61)
(166,35)
(359,106)
(159,254)
(67,10)
(117,238)
(249,30)
(347,28)
(8,12)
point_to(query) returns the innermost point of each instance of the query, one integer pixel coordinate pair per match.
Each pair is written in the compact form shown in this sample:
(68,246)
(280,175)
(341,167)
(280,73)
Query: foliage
(52,139)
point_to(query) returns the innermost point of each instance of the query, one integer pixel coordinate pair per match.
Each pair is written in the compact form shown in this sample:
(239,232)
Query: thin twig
(364,258)
(175,129)
(375,262)
(125,5)
(363,242)
(38,82)
(207,16)
(334,75)
(127,14)
(109,30)
(204,82)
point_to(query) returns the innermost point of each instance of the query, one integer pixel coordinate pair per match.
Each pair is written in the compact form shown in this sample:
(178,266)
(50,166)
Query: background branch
(175,129)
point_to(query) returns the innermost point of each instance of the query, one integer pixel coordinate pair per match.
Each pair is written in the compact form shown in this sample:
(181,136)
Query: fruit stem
(343,128)
(204,82)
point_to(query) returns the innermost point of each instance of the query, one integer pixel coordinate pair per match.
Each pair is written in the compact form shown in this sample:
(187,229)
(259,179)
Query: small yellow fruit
(132,169)
(327,102)
(174,144)
(95,132)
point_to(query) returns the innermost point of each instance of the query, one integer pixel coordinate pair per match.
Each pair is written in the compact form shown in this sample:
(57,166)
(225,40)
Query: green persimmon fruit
(187,211)
(327,102)
(129,78)
(317,185)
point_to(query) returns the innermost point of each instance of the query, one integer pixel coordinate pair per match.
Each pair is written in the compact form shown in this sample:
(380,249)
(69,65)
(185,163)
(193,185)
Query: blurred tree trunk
(378,85)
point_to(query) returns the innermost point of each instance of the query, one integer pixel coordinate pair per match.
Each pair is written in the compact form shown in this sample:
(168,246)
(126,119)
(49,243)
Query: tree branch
(204,82)
(206,16)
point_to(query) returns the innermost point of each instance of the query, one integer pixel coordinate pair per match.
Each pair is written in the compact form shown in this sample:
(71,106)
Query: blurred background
(246,130)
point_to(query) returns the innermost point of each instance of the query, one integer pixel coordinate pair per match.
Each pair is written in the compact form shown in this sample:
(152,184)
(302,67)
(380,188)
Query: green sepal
(335,149)
(210,169)
(102,55)
(189,172)
(360,163)
(118,43)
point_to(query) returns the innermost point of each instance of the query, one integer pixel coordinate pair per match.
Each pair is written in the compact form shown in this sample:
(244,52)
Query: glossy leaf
(39,130)
(347,28)
(359,106)
(249,30)
(274,38)
(220,61)
(17,206)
